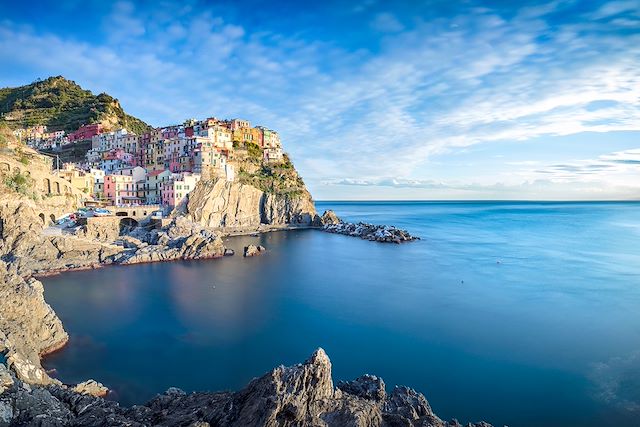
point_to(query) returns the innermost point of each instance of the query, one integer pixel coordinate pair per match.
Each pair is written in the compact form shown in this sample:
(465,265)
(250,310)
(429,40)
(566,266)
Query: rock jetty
(377,233)
(299,395)
(331,223)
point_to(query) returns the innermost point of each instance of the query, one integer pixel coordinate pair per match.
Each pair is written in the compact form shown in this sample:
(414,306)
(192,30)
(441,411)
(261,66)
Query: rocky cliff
(29,327)
(222,204)
(271,194)
(299,395)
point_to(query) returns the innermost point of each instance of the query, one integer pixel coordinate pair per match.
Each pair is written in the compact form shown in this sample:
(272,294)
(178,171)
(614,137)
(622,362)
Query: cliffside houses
(158,167)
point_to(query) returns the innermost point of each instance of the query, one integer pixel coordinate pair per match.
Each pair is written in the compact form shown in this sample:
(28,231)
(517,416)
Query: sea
(517,313)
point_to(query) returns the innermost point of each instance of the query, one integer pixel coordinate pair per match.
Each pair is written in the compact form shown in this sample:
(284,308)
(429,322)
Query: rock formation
(253,250)
(181,239)
(221,204)
(299,395)
(29,327)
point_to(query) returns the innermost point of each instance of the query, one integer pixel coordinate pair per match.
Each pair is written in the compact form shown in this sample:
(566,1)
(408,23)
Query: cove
(522,314)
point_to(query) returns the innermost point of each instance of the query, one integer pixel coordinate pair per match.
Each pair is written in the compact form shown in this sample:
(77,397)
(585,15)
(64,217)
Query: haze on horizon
(410,100)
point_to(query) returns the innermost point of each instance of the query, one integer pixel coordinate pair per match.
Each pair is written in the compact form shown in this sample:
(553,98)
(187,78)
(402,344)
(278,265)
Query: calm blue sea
(525,314)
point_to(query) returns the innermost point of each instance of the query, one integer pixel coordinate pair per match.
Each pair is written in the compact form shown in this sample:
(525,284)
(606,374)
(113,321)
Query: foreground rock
(299,395)
(377,233)
(253,250)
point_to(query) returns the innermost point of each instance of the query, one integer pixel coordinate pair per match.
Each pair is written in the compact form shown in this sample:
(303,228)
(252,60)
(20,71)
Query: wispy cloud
(424,85)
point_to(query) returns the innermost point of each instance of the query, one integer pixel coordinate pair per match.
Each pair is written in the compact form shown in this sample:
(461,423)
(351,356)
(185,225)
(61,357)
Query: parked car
(102,212)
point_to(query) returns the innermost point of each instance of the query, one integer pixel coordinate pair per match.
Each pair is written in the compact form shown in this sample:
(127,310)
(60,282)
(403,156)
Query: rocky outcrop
(329,217)
(299,395)
(222,204)
(29,327)
(91,387)
(253,250)
(377,233)
(181,239)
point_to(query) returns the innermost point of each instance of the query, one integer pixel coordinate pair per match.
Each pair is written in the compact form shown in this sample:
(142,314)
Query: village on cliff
(159,167)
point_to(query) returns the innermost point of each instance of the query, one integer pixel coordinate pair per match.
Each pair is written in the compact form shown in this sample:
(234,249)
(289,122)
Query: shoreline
(223,235)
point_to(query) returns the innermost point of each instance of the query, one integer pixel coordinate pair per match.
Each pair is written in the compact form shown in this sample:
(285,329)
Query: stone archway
(57,187)
(5,167)
(127,224)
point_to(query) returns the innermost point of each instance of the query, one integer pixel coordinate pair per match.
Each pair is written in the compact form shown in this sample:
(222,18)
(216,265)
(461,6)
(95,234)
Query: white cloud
(432,87)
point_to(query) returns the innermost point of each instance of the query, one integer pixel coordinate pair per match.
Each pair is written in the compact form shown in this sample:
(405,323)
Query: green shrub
(20,183)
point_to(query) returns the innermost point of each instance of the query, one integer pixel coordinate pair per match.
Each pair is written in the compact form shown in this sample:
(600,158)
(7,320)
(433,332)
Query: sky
(372,99)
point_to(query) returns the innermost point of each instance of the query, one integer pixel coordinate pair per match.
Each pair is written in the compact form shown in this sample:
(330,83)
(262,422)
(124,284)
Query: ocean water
(524,314)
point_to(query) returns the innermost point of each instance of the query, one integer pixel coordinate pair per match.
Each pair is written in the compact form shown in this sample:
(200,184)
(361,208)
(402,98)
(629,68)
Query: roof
(154,173)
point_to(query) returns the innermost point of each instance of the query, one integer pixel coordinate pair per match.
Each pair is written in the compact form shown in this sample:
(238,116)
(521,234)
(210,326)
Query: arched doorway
(53,218)
(41,217)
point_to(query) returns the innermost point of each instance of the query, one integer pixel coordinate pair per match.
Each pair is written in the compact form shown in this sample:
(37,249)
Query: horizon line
(484,200)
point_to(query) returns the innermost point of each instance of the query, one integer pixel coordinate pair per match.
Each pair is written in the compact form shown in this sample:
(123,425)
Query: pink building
(119,189)
(85,132)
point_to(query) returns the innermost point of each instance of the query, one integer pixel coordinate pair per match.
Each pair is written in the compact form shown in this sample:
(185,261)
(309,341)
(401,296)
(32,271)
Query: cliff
(61,104)
(222,204)
(263,194)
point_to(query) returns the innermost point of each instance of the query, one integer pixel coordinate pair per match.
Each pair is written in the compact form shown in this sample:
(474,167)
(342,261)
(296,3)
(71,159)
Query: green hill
(61,104)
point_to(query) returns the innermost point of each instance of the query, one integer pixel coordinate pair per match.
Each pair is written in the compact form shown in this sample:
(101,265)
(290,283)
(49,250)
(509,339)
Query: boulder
(329,218)
(91,387)
(253,250)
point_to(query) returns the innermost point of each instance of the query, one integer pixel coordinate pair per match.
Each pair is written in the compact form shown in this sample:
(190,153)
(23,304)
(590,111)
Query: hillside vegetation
(61,104)
(275,178)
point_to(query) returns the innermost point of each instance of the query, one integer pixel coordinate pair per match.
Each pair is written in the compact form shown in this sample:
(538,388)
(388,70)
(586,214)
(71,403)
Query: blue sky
(373,99)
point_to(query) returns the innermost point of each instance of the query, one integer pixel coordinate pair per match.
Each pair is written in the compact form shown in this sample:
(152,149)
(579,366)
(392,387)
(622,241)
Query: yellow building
(79,179)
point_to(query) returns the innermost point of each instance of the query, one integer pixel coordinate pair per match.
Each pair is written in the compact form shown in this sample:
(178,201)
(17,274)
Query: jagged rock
(253,250)
(6,380)
(329,217)
(229,252)
(367,387)
(91,387)
(28,325)
(299,395)
(378,233)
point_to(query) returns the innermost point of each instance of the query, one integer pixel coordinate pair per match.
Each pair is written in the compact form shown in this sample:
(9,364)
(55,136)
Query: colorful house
(178,187)
(119,189)
(85,132)
(153,185)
